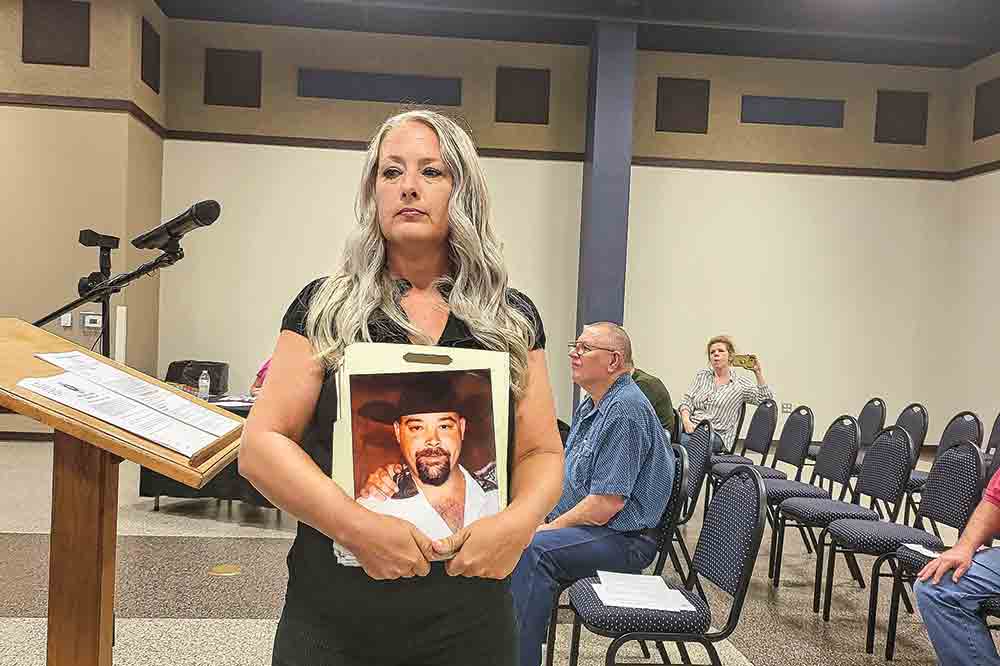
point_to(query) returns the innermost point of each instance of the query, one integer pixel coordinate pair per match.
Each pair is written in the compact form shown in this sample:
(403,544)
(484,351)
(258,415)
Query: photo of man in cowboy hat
(429,487)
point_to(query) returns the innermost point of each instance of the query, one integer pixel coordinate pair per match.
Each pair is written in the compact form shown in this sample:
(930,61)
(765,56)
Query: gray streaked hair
(476,283)
(618,339)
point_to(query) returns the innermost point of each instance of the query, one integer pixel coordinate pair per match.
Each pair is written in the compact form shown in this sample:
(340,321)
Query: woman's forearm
(291,481)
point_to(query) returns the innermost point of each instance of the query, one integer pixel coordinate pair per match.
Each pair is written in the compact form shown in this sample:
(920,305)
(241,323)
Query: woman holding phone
(717,393)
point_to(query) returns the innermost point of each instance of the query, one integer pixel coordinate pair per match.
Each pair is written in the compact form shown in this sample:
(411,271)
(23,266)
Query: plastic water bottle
(204,384)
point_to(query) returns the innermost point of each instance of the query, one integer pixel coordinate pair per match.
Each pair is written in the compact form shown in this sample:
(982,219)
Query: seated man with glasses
(618,474)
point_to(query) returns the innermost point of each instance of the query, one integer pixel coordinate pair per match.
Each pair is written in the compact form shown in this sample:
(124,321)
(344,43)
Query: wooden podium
(85,456)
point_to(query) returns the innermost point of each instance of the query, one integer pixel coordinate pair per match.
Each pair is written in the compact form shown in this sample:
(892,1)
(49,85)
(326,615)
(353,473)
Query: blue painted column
(606,177)
(606,171)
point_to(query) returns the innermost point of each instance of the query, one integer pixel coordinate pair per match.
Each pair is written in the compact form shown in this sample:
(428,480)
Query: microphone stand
(100,286)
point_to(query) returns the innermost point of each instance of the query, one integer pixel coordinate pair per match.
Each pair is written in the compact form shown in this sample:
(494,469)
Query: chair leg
(906,598)
(708,494)
(682,649)
(771,551)
(830,566)
(852,564)
(156,503)
(890,634)
(934,527)
(690,563)
(873,604)
(805,539)
(818,580)
(612,653)
(574,645)
(645,650)
(779,548)
(551,640)
(712,654)
(664,657)
(676,562)
(906,509)
(812,536)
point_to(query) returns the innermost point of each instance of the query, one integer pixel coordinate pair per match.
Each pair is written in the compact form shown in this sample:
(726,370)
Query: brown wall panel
(232,77)
(56,32)
(150,59)
(901,117)
(522,95)
(986,115)
(682,104)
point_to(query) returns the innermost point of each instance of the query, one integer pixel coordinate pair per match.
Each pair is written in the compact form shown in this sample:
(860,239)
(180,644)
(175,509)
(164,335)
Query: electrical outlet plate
(66,320)
(786,408)
(90,320)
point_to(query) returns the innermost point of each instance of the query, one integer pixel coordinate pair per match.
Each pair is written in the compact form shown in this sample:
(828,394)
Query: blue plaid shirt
(618,447)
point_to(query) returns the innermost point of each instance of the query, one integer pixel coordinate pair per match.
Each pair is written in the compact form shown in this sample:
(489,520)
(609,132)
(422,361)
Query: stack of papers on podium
(130,403)
(638,591)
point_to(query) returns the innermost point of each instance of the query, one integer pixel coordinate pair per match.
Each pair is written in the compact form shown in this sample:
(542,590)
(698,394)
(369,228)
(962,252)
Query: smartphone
(745,361)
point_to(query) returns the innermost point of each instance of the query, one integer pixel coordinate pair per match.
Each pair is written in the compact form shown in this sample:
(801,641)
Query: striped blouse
(720,405)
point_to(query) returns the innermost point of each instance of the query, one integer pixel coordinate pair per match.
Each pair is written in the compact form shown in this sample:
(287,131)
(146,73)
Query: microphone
(201,214)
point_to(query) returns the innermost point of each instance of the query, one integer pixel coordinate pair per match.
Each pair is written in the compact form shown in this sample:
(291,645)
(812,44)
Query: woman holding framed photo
(422,266)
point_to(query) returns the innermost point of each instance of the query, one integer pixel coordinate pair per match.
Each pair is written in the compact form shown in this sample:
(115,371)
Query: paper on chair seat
(923,550)
(639,591)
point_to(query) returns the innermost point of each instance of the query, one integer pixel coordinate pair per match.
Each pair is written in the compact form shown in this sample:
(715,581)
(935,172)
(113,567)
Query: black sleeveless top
(352,605)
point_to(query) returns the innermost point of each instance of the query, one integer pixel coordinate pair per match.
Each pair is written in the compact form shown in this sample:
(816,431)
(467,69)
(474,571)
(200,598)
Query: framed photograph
(432,420)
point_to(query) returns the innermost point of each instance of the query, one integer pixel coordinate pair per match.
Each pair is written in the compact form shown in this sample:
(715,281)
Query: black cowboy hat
(424,393)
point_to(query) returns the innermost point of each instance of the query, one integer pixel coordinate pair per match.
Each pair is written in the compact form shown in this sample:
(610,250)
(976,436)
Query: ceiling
(934,33)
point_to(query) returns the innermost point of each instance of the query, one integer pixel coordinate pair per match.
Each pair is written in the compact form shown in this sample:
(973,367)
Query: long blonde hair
(476,285)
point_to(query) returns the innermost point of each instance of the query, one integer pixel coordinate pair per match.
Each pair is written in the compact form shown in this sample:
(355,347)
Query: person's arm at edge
(984,524)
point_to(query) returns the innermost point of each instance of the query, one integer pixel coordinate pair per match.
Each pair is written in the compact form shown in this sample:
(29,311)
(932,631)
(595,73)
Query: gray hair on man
(617,338)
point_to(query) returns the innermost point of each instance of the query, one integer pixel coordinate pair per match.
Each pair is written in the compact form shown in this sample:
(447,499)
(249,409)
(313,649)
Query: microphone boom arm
(170,256)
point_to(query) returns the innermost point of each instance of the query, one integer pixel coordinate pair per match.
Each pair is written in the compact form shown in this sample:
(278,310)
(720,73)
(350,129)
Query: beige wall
(284,50)
(115,50)
(965,359)
(818,246)
(108,74)
(143,194)
(70,170)
(115,73)
(733,77)
(972,153)
(153,103)
(63,171)
(285,215)
(827,279)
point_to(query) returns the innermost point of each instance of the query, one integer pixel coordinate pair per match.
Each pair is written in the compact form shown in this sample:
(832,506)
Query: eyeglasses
(581,348)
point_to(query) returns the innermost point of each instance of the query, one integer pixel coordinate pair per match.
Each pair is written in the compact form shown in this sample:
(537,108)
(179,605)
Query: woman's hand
(488,548)
(380,484)
(388,548)
(688,425)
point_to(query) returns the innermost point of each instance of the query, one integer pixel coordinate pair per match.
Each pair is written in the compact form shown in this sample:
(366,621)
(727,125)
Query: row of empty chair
(859,459)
